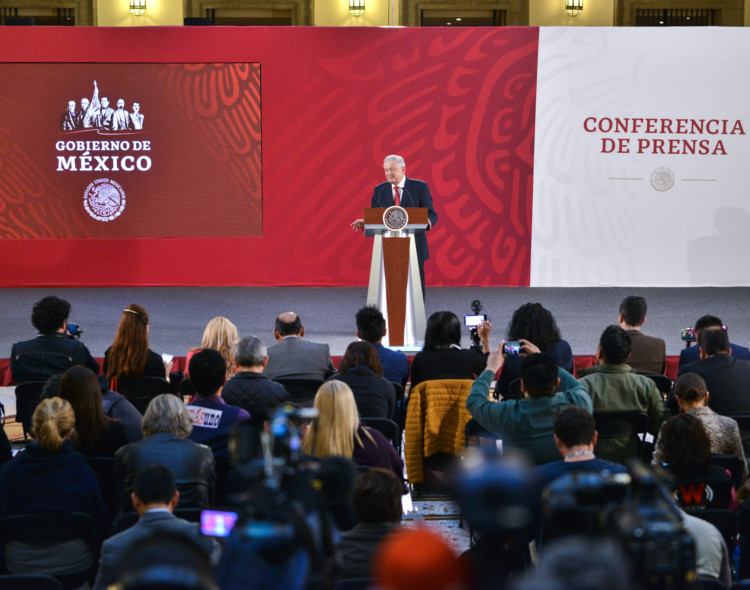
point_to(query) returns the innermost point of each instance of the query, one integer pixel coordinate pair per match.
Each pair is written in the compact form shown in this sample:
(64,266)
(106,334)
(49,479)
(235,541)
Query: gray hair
(398,159)
(166,413)
(250,352)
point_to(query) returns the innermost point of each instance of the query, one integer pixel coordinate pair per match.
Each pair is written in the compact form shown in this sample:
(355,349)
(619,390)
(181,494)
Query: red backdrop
(457,104)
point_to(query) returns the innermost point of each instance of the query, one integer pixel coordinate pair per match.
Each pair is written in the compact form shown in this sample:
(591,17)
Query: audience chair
(387,428)
(731,463)
(29,582)
(141,390)
(621,425)
(301,391)
(435,431)
(104,469)
(514,390)
(167,577)
(28,396)
(743,421)
(186,389)
(662,382)
(44,536)
(708,584)
(474,430)
(725,520)
(743,514)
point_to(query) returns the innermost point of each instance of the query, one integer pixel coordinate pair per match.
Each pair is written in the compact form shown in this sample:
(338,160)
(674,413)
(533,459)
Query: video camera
(284,528)
(75,330)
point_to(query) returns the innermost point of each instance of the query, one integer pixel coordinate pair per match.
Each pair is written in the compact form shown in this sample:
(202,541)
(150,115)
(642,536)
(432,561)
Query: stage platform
(179,314)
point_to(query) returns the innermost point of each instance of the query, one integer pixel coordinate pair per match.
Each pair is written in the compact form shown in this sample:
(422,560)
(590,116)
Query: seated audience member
(129,355)
(49,476)
(527,423)
(337,431)
(117,407)
(293,357)
(581,563)
(250,389)
(221,335)
(575,437)
(686,454)
(212,417)
(95,434)
(54,351)
(711,554)
(723,432)
(371,328)
(154,498)
(615,387)
(709,322)
(377,504)
(532,323)
(114,406)
(419,559)
(726,377)
(360,369)
(166,426)
(442,357)
(647,354)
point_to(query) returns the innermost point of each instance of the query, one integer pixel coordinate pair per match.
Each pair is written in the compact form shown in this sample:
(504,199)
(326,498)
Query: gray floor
(179,314)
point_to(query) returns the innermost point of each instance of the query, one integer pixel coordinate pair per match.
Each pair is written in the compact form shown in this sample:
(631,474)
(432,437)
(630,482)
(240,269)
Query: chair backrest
(387,428)
(301,391)
(141,390)
(662,382)
(611,425)
(29,582)
(474,430)
(435,423)
(733,464)
(28,396)
(726,521)
(399,390)
(104,469)
(514,390)
(37,539)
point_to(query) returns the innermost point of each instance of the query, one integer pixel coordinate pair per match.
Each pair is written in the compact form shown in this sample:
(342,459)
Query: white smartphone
(167,358)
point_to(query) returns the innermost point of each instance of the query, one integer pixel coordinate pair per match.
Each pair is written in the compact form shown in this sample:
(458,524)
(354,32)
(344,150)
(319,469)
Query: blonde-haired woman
(220,334)
(337,431)
(129,355)
(49,476)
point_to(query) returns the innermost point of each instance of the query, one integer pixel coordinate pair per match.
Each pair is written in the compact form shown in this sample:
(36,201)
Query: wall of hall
(335,13)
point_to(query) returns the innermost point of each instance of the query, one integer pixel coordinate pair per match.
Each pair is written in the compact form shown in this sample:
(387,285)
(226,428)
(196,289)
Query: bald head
(288,324)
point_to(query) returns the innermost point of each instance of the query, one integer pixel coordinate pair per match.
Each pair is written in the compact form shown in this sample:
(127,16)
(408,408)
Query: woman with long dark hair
(361,370)
(534,327)
(129,355)
(95,435)
(442,356)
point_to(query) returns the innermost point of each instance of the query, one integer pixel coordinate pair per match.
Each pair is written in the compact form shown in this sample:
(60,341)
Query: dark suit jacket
(297,358)
(692,354)
(727,380)
(116,548)
(648,354)
(415,194)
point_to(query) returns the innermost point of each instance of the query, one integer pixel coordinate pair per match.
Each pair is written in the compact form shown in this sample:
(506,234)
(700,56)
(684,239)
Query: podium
(395,286)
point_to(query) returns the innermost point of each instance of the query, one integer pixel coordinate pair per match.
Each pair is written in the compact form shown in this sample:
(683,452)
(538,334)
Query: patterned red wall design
(459,105)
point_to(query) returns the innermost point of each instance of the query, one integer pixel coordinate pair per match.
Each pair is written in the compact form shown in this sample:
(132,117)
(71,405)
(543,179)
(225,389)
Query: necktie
(396,199)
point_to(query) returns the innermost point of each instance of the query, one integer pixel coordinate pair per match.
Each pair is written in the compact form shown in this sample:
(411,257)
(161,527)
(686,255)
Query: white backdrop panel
(604,218)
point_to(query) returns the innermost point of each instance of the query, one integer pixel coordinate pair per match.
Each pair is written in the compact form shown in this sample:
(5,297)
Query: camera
(75,330)
(688,335)
(282,506)
(473,321)
(512,347)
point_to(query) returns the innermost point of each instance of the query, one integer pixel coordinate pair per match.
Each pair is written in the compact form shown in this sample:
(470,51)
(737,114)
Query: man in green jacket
(527,423)
(615,387)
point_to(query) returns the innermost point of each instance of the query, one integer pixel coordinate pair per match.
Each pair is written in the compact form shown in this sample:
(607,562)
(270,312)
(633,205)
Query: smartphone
(167,358)
(688,335)
(471,321)
(513,347)
(217,523)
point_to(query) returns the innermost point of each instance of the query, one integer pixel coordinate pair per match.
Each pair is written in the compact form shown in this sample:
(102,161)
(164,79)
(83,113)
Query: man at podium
(404,192)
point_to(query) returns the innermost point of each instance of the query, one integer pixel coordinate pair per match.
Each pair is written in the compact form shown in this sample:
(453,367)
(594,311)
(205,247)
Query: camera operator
(54,351)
